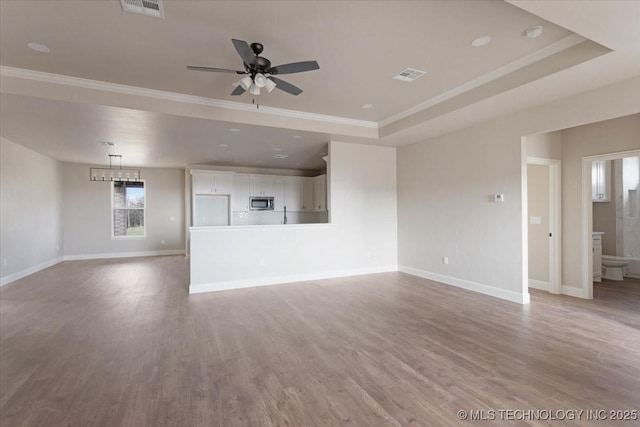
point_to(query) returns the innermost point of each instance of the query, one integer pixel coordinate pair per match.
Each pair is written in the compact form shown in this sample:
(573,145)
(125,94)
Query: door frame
(555,220)
(587,216)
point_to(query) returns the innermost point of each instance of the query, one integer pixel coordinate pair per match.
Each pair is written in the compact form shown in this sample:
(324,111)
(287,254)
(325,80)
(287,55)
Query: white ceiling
(360,45)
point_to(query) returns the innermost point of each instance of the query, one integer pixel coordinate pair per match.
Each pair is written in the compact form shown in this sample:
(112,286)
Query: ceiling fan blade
(287,87)
(238,91)
(245,52)
(215,70)
(294,67)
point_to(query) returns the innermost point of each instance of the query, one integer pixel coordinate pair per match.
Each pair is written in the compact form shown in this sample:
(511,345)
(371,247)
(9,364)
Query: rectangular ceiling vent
(144,7)
(409,75)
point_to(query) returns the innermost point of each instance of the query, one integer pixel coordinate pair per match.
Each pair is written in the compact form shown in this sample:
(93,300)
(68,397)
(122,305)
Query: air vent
(144,7)
(409,75)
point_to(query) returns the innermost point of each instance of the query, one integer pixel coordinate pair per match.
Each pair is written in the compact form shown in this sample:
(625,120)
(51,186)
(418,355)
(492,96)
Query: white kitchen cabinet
(597,257)
(298,193)
(240,193)
(293,193)
(601,181)
(212,183)
(320,193)
(307,194)
(268,186)
(260,185)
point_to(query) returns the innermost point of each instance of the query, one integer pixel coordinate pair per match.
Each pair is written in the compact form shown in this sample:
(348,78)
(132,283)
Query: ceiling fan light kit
(259,72)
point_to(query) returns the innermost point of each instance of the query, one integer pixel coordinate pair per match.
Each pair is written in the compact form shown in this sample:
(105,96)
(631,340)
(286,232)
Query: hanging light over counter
(114,173)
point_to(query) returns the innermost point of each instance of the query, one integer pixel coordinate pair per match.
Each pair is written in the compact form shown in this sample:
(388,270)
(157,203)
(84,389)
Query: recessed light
(297,136)
(533,32)
(258,161)
(277,149)
(39,47)
(297,164)
(224,145)
(481,41)
(280,156)
(367,106)
(234,130)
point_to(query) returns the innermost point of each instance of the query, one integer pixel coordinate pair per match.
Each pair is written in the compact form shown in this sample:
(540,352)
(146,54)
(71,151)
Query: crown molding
(536,56)
(562,44)
(178,97)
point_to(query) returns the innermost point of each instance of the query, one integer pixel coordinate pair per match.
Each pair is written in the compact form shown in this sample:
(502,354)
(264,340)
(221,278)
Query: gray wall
(444,207)
(545,145)
(87,213)
(610,136)
(31,210)
(444,184)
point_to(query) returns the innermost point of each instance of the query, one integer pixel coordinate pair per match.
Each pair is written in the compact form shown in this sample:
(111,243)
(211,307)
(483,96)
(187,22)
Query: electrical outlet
(445,260)
(162,242)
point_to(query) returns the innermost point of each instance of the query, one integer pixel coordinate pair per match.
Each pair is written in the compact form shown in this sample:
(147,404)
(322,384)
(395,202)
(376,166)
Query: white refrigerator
(210,210)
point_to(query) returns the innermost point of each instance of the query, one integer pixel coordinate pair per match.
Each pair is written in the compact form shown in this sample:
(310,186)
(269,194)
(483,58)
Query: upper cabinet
(320,193)
(298,194)
(212,183)
(293,193)
(267,185)
(601,181)
(240,193)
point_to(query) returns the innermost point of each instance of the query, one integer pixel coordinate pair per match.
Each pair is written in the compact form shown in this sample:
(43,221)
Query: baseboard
(539,284)
(24,273)
(250,283)
(122,255)
(571,291)
(469,285)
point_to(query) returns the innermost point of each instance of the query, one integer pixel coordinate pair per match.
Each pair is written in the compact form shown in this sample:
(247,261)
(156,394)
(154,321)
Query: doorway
(587,215)
(543,223)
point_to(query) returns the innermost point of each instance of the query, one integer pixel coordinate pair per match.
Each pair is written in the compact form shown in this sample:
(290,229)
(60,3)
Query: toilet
(613,269)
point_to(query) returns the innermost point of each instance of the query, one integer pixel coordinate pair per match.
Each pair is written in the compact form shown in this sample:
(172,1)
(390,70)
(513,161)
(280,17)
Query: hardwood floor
(121,343)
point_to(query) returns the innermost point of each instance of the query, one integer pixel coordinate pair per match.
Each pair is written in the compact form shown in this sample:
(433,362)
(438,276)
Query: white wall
(31,211)
(87,214)
(362,236)
(444,184)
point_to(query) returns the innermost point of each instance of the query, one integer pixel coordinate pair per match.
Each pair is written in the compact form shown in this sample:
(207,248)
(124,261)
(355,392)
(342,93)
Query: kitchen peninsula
(355,239)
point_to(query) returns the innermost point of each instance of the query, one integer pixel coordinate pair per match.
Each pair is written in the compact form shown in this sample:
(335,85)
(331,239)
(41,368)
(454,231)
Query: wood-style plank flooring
(121,343)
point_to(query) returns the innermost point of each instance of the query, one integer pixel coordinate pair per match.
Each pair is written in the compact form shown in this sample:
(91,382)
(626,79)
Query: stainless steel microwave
(261,203)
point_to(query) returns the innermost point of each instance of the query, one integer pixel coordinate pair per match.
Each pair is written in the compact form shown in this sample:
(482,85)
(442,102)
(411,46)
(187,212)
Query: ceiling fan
(259,72)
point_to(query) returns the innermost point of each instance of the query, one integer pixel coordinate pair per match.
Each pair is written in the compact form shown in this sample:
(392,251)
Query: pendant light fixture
(114,173)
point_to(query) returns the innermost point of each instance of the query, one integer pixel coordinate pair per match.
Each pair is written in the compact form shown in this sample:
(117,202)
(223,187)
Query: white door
(543,221)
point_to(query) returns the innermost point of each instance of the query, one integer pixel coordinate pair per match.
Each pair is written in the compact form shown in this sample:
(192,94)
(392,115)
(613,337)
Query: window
(127,208)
